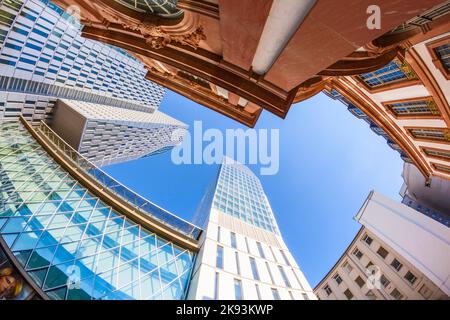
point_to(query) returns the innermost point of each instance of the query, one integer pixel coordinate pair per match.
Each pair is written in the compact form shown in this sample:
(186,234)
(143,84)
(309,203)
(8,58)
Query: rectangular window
(216,287)
(441,167)
(367,239)
(233,240)
(219,257)
(238,266)
(443,53)
(254,268)
(347,266)
(410,277)
(430,134)
(218,234)
(416,107)
(260,250)
(284,276)
(360,282)
(348,294)
(258,293)
(382,252)
(396,264)
(238,289)
(270,273)
(285,257)
(337,278)
(358,254)
(394,72)
(276,295)
(384,281)
(327,290)
(246,244)
(436,153)
(396,294)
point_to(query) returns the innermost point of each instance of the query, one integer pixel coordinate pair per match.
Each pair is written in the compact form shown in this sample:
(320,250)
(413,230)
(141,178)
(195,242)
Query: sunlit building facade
(107,135)
(69,231)
(43,57)
(398,254)
(243,255)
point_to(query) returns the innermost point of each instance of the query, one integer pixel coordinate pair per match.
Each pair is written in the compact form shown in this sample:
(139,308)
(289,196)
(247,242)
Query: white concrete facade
(410,252)
(277,274)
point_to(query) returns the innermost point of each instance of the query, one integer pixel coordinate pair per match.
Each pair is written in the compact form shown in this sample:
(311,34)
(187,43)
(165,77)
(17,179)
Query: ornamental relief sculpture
(158,38)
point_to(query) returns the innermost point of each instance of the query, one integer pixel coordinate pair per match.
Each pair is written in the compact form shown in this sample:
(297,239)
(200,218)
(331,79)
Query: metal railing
(137,201)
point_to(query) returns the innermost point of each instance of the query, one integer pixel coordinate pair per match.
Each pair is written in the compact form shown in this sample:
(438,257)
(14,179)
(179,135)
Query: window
(360,282)
(238,289)
(337,278)
(425,292)
(410,277)
(270,272)
(369,265)
(436,153)
(347,266)
(276,295)
(219,257)
(348,294)
(305,296)
(327,290)
(441,167)
(371,295)
(382,252)
(396,294)
(246,244)
(238,266)
(396,265)
(291,295)
(254,268)
(258,293)
(443,52)
(367,239)
(233,240)
(394,72)
(216,287)
(358,254)
(416,107)
(285,257)
(284,276)
(384,281)
(260,250)
(430,134)
(218,234)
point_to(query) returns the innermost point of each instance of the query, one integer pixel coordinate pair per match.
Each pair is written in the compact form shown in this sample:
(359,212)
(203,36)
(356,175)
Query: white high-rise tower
(243,255)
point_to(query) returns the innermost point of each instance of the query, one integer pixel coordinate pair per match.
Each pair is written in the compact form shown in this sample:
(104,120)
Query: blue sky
(329,162)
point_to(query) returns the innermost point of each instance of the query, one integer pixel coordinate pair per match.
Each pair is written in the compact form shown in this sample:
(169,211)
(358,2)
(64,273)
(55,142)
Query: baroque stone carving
(158,38)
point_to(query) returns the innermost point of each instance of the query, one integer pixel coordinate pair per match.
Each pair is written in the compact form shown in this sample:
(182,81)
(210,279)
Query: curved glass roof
(163,8)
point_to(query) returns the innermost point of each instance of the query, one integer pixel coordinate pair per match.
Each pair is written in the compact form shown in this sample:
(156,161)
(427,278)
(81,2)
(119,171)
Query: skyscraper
(243,255)
(107,135)
(44,58)
(69,231)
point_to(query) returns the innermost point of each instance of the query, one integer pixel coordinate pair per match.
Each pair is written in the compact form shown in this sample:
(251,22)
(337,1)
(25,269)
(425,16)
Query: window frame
(431,46)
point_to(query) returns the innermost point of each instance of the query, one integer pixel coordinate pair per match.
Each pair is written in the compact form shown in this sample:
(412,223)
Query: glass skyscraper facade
(241,246)
(240,194)
(41,44)
(70,243)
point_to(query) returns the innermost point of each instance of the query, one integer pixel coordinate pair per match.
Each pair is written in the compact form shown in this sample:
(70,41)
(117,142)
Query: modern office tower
(398,254)
(70,231)
(242,255)
(431,199)
(107,135)
(43,57)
